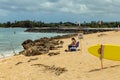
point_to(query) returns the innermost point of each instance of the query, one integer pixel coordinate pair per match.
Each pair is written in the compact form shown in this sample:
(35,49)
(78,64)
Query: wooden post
(81,45)
(101,63)
(101,55)
(80,36)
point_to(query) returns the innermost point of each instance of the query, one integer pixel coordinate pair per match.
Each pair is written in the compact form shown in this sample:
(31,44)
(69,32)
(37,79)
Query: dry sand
(77,65)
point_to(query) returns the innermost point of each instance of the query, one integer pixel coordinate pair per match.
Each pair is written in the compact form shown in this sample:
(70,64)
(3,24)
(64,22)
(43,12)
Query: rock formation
(40,46)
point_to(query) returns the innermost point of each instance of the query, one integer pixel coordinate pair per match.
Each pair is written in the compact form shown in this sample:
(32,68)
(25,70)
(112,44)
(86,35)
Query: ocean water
(12,38)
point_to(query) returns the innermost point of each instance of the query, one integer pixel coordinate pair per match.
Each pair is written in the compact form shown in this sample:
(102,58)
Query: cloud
(3,13)
(75,7)
(69,6)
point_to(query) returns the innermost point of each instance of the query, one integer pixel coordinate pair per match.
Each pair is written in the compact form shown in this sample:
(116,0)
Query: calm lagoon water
(11,39)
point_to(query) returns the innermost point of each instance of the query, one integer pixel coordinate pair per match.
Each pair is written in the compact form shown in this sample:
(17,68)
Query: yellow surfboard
(108,51)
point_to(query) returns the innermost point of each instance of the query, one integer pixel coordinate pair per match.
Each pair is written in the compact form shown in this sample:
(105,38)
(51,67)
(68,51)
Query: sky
(60,10)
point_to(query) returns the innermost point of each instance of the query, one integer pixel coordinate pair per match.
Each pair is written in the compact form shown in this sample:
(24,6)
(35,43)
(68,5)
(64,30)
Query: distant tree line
(31,24)
(98,24)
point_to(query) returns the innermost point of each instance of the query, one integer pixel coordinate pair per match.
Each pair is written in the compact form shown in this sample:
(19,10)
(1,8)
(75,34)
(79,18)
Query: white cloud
(70,6)
(87,7)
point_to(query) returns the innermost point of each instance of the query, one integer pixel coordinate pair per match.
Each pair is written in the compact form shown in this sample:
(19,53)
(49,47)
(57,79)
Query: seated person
(72,44)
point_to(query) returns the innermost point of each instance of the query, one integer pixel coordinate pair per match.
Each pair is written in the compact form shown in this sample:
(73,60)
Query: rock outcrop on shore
(40,46)
(55,30)
(43,45)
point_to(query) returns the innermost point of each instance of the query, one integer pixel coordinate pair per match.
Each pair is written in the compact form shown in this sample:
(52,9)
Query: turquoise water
(11,39)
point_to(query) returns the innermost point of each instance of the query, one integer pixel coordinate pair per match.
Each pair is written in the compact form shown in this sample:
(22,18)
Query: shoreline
(55,37)
(16,51)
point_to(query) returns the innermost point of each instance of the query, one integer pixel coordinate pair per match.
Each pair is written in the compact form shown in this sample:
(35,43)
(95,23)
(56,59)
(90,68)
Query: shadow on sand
(103,68)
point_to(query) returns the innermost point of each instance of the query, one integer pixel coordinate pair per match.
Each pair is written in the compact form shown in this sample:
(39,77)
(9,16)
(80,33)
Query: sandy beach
(66,65)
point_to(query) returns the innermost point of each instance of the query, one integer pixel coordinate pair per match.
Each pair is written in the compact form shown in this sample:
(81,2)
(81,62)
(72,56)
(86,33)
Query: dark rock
(35,50)
(64,36)
(55,42)
(50,46)
(45,39)
(39,46)
(39,43)
(59,47)
(27,44)
(53,53)
(61,42)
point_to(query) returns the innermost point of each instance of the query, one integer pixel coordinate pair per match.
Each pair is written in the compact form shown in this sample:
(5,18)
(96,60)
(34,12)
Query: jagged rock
(64,36)
(27,44)
(61,42)
(39,46)
(35,50)
(45,39)
(55,42)
(39,43)
(50,46)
